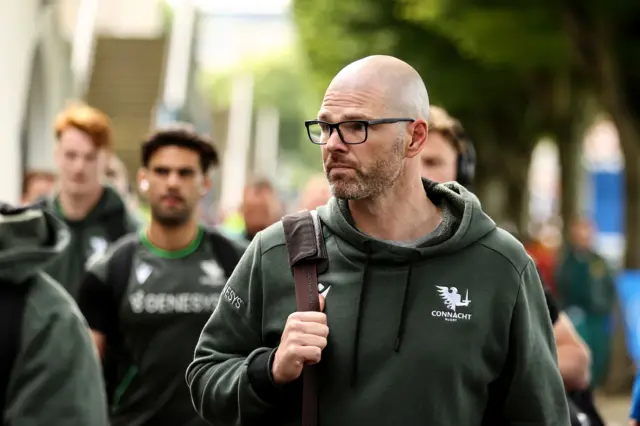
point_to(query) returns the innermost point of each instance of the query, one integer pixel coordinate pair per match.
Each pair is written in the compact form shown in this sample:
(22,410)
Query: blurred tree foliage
(587,45)
(279,81)
(494,102)
(511,71)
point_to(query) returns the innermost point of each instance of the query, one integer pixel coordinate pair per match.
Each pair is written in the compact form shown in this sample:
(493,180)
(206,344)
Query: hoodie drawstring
(403,310)
(363,286)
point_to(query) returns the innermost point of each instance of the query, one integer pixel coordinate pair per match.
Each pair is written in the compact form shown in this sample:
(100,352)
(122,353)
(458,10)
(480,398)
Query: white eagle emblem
(451,297)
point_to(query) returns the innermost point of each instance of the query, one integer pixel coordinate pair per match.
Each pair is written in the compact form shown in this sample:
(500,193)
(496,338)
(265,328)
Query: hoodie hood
(29,238)
(471,224)
(110,203)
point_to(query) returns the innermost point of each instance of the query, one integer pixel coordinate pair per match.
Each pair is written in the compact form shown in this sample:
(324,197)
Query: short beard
(382,175)
(170,221)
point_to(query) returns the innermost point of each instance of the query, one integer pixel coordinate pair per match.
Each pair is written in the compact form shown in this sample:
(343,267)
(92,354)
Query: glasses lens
(353,131)
(319,133)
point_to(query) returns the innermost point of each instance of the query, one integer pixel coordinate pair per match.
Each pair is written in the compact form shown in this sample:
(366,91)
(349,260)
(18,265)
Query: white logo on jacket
(452,300)
(143,272)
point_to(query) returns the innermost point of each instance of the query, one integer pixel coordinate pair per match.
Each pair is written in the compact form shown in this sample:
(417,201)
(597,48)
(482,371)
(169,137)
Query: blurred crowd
(573,271)
(100,203)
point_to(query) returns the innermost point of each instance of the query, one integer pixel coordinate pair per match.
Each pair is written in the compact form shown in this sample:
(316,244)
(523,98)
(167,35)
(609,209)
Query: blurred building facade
(130,58)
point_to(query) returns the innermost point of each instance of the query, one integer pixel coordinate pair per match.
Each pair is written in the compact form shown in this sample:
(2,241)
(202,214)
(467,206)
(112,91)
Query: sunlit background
(249,72)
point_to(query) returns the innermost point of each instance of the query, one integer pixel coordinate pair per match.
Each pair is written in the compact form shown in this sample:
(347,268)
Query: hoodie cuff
(261,378)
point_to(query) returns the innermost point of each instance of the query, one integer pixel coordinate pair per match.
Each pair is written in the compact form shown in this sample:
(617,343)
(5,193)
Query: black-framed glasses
(351,132)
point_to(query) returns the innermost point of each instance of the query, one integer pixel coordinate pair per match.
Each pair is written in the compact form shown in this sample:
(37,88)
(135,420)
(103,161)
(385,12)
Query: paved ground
(615,410)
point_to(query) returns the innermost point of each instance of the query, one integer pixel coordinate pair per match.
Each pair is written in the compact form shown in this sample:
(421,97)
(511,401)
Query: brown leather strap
(306,280)
(307,257)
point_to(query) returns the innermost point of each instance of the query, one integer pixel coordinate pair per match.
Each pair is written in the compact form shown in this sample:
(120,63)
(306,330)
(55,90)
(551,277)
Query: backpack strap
(307,257)
(118,274)
(224,250)
(114,225)
(13,299)
(121,265)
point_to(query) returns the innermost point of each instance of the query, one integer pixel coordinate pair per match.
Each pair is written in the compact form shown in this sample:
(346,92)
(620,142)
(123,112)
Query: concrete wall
(49,90)
(34,82)
(19,22)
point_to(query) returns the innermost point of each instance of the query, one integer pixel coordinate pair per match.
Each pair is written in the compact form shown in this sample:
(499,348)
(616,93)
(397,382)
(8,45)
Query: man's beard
(170,220)
(380,176)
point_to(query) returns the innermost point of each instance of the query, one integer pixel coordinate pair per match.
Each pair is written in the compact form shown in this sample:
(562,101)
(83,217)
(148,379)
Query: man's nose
(334,143)
(78,164)
(173,180)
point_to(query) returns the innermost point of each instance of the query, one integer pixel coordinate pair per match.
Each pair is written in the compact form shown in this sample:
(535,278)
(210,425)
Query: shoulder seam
(502,255)
(271,248)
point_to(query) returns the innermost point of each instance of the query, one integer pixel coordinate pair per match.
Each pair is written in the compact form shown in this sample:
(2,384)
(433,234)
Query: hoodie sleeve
(230,377)
(57,377)
(534,391)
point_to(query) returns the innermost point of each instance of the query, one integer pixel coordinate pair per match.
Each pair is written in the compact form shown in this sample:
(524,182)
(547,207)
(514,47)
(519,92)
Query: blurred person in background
(148,298)
(117,176)
(260,208)
(586,291)
(443,162)
(315,194)
(49,368)
(635,403)
(543,255)
(449,156)
(95,213)
(37,185)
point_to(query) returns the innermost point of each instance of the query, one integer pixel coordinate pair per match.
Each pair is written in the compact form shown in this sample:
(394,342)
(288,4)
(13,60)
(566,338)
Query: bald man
(431,315)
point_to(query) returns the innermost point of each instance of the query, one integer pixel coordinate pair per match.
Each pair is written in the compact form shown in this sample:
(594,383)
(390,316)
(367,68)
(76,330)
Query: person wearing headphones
(449,155)
(149,296)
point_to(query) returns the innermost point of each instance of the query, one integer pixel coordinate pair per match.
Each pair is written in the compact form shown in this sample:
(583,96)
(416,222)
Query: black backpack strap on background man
(225,252)
(121,265)
(115,225)
(307,257)
(13,298)
(118,273)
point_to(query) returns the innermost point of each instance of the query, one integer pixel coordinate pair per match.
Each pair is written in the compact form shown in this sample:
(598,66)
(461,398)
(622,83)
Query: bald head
(398,84)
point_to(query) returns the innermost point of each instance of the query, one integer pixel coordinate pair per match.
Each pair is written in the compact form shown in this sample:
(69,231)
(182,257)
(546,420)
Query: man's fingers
(306,327)
(300,339)
(310,354)
(308,316)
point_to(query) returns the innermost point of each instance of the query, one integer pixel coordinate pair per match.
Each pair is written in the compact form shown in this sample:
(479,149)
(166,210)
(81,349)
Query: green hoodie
(56,378)
(89,236)
(402,349)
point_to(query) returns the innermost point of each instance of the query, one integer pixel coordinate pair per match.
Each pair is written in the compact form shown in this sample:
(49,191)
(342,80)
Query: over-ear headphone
(466,162)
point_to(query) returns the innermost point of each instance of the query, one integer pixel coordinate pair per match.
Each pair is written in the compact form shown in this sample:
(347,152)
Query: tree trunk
(569,153)
(630,141)
(517,202)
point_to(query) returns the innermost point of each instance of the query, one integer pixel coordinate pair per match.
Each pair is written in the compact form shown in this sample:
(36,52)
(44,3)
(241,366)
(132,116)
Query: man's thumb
(321,299)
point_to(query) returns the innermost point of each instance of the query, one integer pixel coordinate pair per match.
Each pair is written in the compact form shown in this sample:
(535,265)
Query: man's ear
(143,183)
(206,186)
(418,138)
